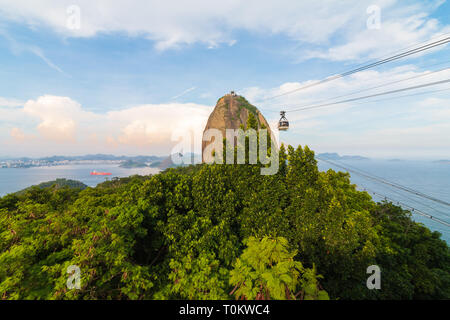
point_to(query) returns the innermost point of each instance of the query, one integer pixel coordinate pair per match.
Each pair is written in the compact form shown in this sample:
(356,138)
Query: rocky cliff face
(231,112)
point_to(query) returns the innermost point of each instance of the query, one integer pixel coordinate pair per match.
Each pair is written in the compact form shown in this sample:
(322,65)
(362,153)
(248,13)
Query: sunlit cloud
(8,103)
(62,125)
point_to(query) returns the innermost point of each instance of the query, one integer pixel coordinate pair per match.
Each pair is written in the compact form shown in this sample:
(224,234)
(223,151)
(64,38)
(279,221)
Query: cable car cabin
(283,124)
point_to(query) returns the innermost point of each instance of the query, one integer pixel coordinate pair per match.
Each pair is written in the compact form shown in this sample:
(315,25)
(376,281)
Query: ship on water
(95,173)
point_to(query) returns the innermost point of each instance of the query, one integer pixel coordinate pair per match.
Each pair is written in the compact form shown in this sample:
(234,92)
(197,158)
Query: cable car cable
(392,98)
(382,180)
(283,123)
(371,65)
(405,96)
(402,49)
(372,95)
(375,87)
(394,184)
(397,192)
(412,209)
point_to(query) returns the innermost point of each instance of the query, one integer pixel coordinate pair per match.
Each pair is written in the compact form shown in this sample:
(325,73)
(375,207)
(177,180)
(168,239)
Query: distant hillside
(168,163)
(58,184)
(129,164)
(189,158)
(335,156)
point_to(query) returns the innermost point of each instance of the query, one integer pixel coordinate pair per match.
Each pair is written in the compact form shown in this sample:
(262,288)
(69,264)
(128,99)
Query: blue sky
(132,73)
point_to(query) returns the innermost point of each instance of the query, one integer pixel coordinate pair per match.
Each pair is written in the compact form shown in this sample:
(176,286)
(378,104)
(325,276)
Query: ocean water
(428,177)
(431,178)
(15,179)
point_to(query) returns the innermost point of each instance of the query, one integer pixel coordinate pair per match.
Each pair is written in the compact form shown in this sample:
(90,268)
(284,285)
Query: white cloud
(61,125)
(58,117)
(342,86)
(154,125)
(403,126)
(394,34)
(17,134)
(18,47)
(6,102)
(38,52)
(174,23)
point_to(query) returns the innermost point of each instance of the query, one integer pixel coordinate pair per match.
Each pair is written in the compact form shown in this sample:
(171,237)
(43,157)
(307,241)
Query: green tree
(267,270)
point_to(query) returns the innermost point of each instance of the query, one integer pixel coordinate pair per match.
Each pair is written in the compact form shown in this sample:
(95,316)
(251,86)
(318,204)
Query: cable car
(283,124)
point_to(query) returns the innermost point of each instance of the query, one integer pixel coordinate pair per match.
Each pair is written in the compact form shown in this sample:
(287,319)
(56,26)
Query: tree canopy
(218,232)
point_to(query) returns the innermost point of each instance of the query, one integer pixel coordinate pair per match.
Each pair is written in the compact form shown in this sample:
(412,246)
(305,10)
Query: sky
(134,77)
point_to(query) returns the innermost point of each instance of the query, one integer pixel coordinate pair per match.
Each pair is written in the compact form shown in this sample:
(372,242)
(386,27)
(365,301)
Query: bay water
(429,177)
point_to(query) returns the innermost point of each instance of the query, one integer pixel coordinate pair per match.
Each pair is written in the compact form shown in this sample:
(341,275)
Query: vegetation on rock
(57,184)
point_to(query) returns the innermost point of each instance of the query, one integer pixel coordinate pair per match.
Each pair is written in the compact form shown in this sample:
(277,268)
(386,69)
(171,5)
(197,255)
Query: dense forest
(218,232)
(56,184)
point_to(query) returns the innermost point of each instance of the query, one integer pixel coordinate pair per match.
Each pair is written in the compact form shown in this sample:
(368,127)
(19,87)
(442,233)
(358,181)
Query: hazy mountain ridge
(336,156)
